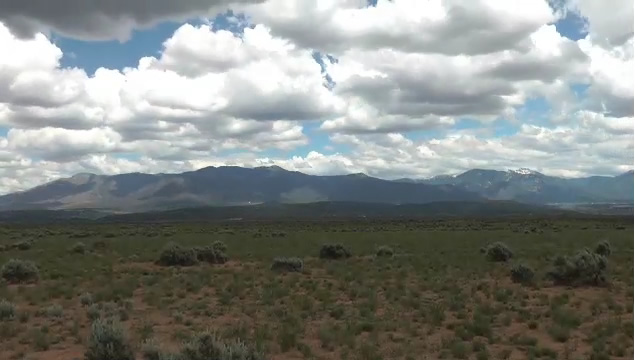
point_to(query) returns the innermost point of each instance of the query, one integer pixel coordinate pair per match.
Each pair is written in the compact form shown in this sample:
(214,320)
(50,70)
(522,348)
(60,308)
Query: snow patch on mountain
(523,171)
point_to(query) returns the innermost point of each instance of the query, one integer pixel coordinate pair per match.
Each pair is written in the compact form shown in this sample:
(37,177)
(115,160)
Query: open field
(438,296)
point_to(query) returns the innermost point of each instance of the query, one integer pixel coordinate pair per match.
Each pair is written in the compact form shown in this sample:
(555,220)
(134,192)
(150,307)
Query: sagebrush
(498,252)
(384,251)
(287,264)
(7,310)
(211,254)
(108,341)
(78,248)
(208,346)
(603,248)
(176,255)
(522,274)
(583,268)
(334,251)
(20,271)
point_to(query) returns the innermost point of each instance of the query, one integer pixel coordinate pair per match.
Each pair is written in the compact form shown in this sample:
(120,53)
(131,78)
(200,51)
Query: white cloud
(593,144)
(99,20)
(611,88)
(610,23)
(62,144)
(392,90)
(446,27)
(255,102)
(212,97)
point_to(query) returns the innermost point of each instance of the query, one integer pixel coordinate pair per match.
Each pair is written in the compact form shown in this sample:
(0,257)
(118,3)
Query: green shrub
(93,312)
(498,252)
(99,244)
(54,310)
(287,264)
(211,255)
(86,299)
(109,308)
(107,341)
(176,255)
(7,310)
(20,271)
(40,340)
(207,346)
(23,245)
(78,248)
(583,268)
(150,350)
(522,274)
(334,251)
(603,248)
(219,246)
(384,251)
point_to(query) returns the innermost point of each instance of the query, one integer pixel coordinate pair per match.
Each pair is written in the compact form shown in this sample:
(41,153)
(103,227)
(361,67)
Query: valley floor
(438,296)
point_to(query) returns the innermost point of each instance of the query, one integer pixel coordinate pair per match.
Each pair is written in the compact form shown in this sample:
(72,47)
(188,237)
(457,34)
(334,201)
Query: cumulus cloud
(445,27)
(256,101)
(62,144)
(611,88)
(391,90)
(391,85)
(101,20)
(592,144)
(609,23)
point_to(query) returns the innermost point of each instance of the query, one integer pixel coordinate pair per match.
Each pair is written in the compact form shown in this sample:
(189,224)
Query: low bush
(211,255)
(86,299)
(287,264)
(176,255)
(7,310)
(93,312)
(334,251)
(54,310)
(99,244)
(583,268)
(384,251)
(207,346)
(219,246)
(107,341)
(20,271)
(603,248)
(498,252)
(78,248)
(522,274)
(23,245)
(150,350)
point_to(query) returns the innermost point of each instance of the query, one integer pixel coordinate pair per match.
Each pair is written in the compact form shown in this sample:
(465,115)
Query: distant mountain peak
(524,171)
(80,178)
(360,175)
(272,168)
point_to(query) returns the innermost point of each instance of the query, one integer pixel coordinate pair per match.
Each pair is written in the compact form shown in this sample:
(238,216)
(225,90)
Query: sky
(402,88)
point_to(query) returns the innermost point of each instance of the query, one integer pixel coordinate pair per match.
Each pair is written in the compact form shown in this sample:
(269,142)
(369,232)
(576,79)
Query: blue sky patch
(572,26)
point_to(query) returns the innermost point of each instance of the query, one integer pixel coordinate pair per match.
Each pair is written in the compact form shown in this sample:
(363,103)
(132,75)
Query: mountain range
(237,186)
(527,186)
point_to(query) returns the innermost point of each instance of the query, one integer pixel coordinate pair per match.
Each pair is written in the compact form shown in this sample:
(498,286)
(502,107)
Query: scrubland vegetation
(381,289)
